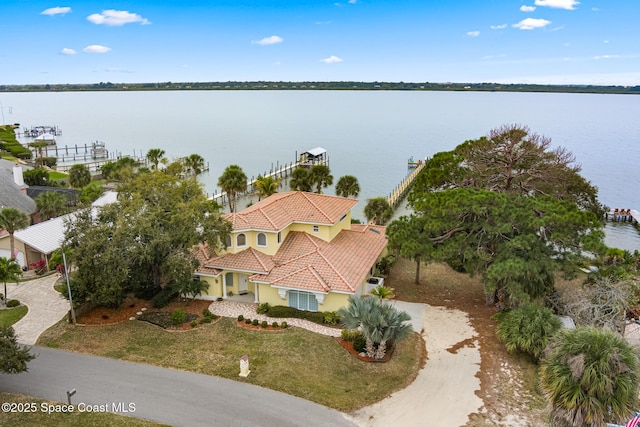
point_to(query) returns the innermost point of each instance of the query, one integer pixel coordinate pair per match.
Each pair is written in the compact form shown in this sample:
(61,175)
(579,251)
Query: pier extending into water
(308,159)
(401,189)
(623,215)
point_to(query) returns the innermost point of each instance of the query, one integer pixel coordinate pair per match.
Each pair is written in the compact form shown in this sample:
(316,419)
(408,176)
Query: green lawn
(10,316)
(294,361)
(74,419)
(55,175)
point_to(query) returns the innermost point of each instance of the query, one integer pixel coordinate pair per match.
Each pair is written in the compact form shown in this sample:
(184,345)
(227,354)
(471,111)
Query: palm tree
(528,328)
(155,156)
(382,292)
(381,323)
(590,376)
(378,211)
(194,164)
(300,180)
(50,204)
(12,219)
(232,181)
(9,271)
(321,176)
(348,186)
(79,176)
(266,186)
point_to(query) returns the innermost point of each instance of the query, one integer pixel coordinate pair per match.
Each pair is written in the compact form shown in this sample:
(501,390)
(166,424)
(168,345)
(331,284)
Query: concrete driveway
(46,307)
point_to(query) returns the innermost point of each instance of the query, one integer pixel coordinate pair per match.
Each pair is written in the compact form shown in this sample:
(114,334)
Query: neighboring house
(297,249)
(72,195)
(40,240)
(13,190)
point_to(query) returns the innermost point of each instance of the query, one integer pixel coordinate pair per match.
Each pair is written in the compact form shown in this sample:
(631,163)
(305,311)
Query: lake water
(369,134)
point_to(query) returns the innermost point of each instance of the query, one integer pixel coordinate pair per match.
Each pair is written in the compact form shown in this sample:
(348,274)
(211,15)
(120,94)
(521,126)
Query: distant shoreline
(352,85)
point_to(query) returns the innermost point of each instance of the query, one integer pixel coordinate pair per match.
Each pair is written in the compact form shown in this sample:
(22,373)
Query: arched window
(241,240)
(262,239)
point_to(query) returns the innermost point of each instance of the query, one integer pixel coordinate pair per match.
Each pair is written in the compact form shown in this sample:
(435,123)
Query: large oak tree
(143,242)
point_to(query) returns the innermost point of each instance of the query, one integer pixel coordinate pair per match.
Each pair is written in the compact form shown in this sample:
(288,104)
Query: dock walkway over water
(401,190)
(624,215)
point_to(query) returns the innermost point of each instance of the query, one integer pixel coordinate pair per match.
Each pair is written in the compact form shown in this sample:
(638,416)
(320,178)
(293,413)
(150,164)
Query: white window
(316,228)
(241,240)
(303,300)
(262,239)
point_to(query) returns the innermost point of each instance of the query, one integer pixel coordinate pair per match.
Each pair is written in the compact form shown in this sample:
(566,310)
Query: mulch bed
(348,345)
(131,306)
(269,327)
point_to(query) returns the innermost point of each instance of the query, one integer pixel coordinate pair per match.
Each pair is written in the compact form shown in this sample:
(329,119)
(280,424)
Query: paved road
(169,396)
(46,307)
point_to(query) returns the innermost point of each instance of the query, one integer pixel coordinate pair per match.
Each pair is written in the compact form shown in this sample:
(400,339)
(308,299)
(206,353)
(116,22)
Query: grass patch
(10,316)
(73,419)
(295,361)
(55,175)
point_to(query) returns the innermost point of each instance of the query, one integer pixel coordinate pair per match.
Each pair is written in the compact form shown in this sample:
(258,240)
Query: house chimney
(17,176)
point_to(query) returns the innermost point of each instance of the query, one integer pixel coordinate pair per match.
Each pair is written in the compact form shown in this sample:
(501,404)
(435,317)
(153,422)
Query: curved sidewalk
(233,309)
(46,307)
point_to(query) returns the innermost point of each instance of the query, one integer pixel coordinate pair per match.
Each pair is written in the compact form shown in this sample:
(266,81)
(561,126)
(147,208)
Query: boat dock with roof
(623,215)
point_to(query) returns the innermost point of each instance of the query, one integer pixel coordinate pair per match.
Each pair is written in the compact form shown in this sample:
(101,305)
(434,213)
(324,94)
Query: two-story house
(297,249)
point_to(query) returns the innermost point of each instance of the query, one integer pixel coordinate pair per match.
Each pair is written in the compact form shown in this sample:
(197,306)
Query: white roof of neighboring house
(107,198)
(45,236)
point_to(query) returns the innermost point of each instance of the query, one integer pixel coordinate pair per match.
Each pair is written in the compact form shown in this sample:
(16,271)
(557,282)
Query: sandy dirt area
(444,393)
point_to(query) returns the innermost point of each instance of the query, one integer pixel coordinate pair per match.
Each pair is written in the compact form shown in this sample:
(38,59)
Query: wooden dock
(401,190)
(307,159)
(623,215)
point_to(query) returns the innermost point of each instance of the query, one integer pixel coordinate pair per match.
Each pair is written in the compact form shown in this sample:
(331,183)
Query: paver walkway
(46,307)
(233,309)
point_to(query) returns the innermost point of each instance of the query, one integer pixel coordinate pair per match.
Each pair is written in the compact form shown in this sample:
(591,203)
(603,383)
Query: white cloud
(323,22)
(331,60)
(558,4)
(499,27)
(524,8)
(96,48)
(67,51)
(116,18)
(353,1)
(608,57)
(268,40)
(473,33)
(531,24)
(56,11)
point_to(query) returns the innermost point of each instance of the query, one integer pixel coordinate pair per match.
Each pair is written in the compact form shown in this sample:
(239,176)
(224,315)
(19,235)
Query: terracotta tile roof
(202,254)
(281,209)
(249,259)
(308,263)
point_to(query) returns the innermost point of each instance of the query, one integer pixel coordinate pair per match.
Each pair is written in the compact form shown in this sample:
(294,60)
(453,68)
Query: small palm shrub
(247,321)
(240,318)
(264,324)
(590,376)
(263,308)
(255,322)
(274,324)
(178,316)
(527,329)
(284,325)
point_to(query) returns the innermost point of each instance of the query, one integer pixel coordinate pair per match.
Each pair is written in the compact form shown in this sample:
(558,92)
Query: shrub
(40,267)
(359,342)
(274,324)
(164,297)
(49,161)
(177,317)
(314,316)
(205,320)
(283,311)
(263,308)
(13,303)
(247,321)
(207,313)
(284,325)
(194,323)
(331,318)
(264,324)
(240,318)
(527,329)
(350,334)
(255,322)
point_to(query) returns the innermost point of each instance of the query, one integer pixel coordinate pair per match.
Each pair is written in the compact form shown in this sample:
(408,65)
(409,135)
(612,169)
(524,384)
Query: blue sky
(505,41)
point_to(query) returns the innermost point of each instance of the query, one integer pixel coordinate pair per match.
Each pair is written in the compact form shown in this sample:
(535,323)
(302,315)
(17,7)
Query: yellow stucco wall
(215,289)
(333,301)
(270,295)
